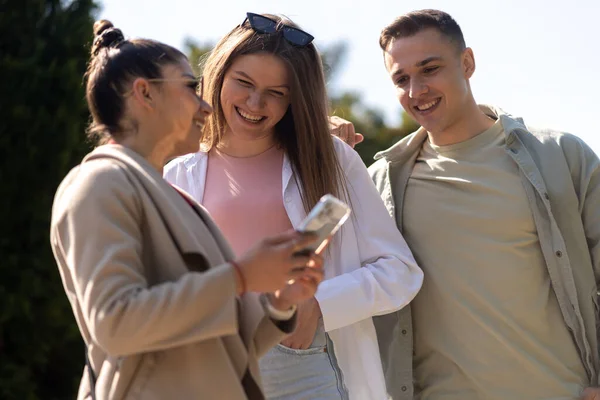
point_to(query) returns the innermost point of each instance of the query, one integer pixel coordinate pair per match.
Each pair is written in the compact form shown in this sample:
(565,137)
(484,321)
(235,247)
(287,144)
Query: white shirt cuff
(276,314)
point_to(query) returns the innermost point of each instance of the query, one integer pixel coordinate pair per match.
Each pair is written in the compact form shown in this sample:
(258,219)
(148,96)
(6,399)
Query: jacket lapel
(210,224)
(189,238)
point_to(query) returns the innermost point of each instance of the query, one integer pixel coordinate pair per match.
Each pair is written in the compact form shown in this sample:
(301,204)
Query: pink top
(244,197)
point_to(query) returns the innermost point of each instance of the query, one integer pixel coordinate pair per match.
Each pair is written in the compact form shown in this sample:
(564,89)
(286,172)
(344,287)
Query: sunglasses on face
(196,84)
(265,25)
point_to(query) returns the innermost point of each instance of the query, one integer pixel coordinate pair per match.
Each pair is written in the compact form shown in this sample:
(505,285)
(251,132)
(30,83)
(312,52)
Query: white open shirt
(369,269)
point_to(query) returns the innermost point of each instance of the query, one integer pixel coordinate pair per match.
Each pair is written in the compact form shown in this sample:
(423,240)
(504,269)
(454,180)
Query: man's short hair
(416,21)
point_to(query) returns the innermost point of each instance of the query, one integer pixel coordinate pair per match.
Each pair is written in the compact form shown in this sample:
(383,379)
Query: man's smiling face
(431,75)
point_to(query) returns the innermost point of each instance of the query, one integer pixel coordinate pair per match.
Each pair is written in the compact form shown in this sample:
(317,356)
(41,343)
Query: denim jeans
(294,374)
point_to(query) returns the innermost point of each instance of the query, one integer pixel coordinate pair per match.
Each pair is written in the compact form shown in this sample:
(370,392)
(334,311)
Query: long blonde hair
(303,132)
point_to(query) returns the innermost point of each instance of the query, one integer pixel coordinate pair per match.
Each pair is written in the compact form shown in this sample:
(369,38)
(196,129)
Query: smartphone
(326,217)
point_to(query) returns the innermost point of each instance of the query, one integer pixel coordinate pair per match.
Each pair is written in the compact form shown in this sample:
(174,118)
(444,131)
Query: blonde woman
(267,157)
(165,309)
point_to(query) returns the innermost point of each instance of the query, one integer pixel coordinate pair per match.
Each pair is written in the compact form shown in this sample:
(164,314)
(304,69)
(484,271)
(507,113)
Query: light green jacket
(561,175)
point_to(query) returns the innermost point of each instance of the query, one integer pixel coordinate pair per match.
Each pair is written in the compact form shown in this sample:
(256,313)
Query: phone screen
(325,219)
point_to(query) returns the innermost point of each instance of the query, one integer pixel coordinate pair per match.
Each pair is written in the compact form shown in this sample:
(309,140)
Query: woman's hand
(591,393)
(301,288)
(301,291)
(304,286)
(269,266)
(344,130)
(309,313)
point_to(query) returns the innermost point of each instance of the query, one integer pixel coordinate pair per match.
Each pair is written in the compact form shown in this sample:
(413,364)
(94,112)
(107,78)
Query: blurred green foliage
(43,55)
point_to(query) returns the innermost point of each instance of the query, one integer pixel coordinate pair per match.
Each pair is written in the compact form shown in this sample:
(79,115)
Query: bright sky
(539,59)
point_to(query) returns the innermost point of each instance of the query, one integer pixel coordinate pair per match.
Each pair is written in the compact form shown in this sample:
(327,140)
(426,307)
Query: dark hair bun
(105,35)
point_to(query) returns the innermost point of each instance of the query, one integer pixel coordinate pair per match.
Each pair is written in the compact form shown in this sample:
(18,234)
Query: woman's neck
(238,147)
(155,153)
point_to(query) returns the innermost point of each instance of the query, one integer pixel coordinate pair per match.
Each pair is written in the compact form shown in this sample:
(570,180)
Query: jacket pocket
(134,372)
(196,262)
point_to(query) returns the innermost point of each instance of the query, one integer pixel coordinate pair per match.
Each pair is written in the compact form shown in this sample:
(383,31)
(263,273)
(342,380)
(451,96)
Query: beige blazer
(148,279)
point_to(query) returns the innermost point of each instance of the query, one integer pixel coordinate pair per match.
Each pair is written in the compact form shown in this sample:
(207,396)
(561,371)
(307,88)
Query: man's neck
(473,122)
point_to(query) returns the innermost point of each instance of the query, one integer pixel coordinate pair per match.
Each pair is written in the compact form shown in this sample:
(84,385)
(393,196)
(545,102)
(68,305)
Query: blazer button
(404,388)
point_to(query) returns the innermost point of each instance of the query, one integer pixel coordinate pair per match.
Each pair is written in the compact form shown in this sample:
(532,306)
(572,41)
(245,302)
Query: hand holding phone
(324,220)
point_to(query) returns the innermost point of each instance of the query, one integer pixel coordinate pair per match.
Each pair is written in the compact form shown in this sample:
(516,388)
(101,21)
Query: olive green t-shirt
(487,324)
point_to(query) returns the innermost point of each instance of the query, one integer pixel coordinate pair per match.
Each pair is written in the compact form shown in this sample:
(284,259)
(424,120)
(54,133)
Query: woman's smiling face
(255,95)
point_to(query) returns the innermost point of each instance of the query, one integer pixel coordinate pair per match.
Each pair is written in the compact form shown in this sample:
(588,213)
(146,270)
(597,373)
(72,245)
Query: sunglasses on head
(265,25)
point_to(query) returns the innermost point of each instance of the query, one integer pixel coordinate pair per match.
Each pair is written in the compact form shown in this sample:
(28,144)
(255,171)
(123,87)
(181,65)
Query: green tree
(44,48)
(196,53)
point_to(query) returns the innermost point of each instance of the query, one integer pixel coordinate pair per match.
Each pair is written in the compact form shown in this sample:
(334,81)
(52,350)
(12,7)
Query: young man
(505,222)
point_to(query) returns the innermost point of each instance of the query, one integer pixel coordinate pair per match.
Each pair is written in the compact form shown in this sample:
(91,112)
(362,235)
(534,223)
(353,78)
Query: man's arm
(585,171)
(586,176)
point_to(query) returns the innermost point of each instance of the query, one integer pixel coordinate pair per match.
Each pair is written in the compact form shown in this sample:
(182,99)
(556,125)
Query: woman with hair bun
(164,307)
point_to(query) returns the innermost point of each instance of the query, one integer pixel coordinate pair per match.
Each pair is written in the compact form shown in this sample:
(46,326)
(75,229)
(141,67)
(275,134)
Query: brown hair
(303,132)
(114,63)
(416,21)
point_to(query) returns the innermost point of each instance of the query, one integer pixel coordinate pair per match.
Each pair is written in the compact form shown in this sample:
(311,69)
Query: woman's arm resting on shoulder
(343,129)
